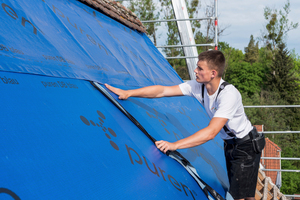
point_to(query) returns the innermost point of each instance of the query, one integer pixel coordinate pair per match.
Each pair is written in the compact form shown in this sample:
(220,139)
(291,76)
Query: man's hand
(198,138)
(164,146)
(123,94)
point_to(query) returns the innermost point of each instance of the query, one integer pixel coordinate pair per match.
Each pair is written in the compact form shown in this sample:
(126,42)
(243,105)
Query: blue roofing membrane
(62,139)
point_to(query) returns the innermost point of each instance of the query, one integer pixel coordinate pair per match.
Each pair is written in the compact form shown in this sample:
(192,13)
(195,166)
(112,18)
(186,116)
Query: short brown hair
(215,60)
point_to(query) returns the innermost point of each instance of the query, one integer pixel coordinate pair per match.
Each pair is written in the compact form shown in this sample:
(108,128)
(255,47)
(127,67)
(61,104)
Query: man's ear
(214,73)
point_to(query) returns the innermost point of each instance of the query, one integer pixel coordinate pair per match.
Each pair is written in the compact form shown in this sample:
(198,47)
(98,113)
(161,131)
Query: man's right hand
(123,94)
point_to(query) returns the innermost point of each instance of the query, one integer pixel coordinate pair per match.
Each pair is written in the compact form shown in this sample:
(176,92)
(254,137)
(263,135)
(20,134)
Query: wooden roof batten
(118,12)
(266,189)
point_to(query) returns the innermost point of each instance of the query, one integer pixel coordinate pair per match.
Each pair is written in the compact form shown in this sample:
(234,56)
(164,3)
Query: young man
(225,109)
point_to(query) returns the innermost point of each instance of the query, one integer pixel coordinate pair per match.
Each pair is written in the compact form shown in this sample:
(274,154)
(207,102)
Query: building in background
(271,150)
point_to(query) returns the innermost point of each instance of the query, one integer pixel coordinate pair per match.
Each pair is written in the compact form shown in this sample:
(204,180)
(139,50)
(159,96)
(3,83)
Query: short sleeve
(190,88)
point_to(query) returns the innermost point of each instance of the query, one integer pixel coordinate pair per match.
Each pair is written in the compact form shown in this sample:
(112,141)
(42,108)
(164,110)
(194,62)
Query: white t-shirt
(228,105)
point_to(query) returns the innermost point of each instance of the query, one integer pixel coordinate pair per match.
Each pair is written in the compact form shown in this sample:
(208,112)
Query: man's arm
(198,138)
(154,91)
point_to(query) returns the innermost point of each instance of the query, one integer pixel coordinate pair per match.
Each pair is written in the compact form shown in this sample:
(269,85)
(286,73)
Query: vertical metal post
(186,35)
(216,25)
(280,169)
(263,151)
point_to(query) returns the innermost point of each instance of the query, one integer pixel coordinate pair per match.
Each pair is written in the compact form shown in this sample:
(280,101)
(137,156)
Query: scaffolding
(266,188)
(186,34)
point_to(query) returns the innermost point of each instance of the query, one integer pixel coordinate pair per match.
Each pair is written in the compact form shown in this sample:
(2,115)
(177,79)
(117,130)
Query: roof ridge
(273,144)
(118,12)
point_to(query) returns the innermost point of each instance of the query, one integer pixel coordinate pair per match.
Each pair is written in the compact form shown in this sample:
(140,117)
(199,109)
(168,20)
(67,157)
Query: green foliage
(173,37)
(296,59)
(290,144)
(182,70)
(281,77)
(278,26)
(290,180)
(252,51)
(246,77)
(272,78)
(232,55)
(272,118)
(193,7)
(222,46)
(146,10)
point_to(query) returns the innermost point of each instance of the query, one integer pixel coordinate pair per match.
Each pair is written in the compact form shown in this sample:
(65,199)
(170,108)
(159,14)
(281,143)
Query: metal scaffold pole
(216,24)
(186,36)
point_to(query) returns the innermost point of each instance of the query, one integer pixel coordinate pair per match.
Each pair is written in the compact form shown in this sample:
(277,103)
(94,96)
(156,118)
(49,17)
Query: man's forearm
(204,135)
(200,137)
(154,91)
(146,92)
(196,139)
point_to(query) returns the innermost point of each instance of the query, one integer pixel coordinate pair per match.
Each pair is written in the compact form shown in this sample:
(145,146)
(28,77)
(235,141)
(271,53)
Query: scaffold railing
(273,106)
(187,45)
(279,132)
(180,13)
(279,158)
(175,20)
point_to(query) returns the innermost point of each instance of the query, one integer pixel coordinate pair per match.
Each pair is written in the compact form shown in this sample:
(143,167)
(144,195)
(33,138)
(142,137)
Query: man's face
(203,73)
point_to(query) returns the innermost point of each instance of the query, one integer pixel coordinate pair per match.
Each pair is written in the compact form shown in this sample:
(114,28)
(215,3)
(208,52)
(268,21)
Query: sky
(244,17)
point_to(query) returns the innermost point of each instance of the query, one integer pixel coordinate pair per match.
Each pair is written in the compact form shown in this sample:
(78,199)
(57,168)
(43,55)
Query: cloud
(246,18)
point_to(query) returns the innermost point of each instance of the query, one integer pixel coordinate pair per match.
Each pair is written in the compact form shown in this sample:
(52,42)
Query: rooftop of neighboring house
(260,128)
(118,12)
(273,144)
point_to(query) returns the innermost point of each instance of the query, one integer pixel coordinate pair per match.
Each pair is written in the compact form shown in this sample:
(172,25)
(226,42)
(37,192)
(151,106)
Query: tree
(173,38)
(273,119)
(146,10)
(296,59)
(290,180)
(282,88)
(278,26)
(290,145)
(245,77)
(281,77)
(193,6)
(252,51)
(232,55)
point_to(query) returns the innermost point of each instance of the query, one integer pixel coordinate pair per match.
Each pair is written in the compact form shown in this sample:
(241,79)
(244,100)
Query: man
(225,109)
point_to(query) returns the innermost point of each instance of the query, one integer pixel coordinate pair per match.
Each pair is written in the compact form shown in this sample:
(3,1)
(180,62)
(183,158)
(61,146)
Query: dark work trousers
(242,168)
